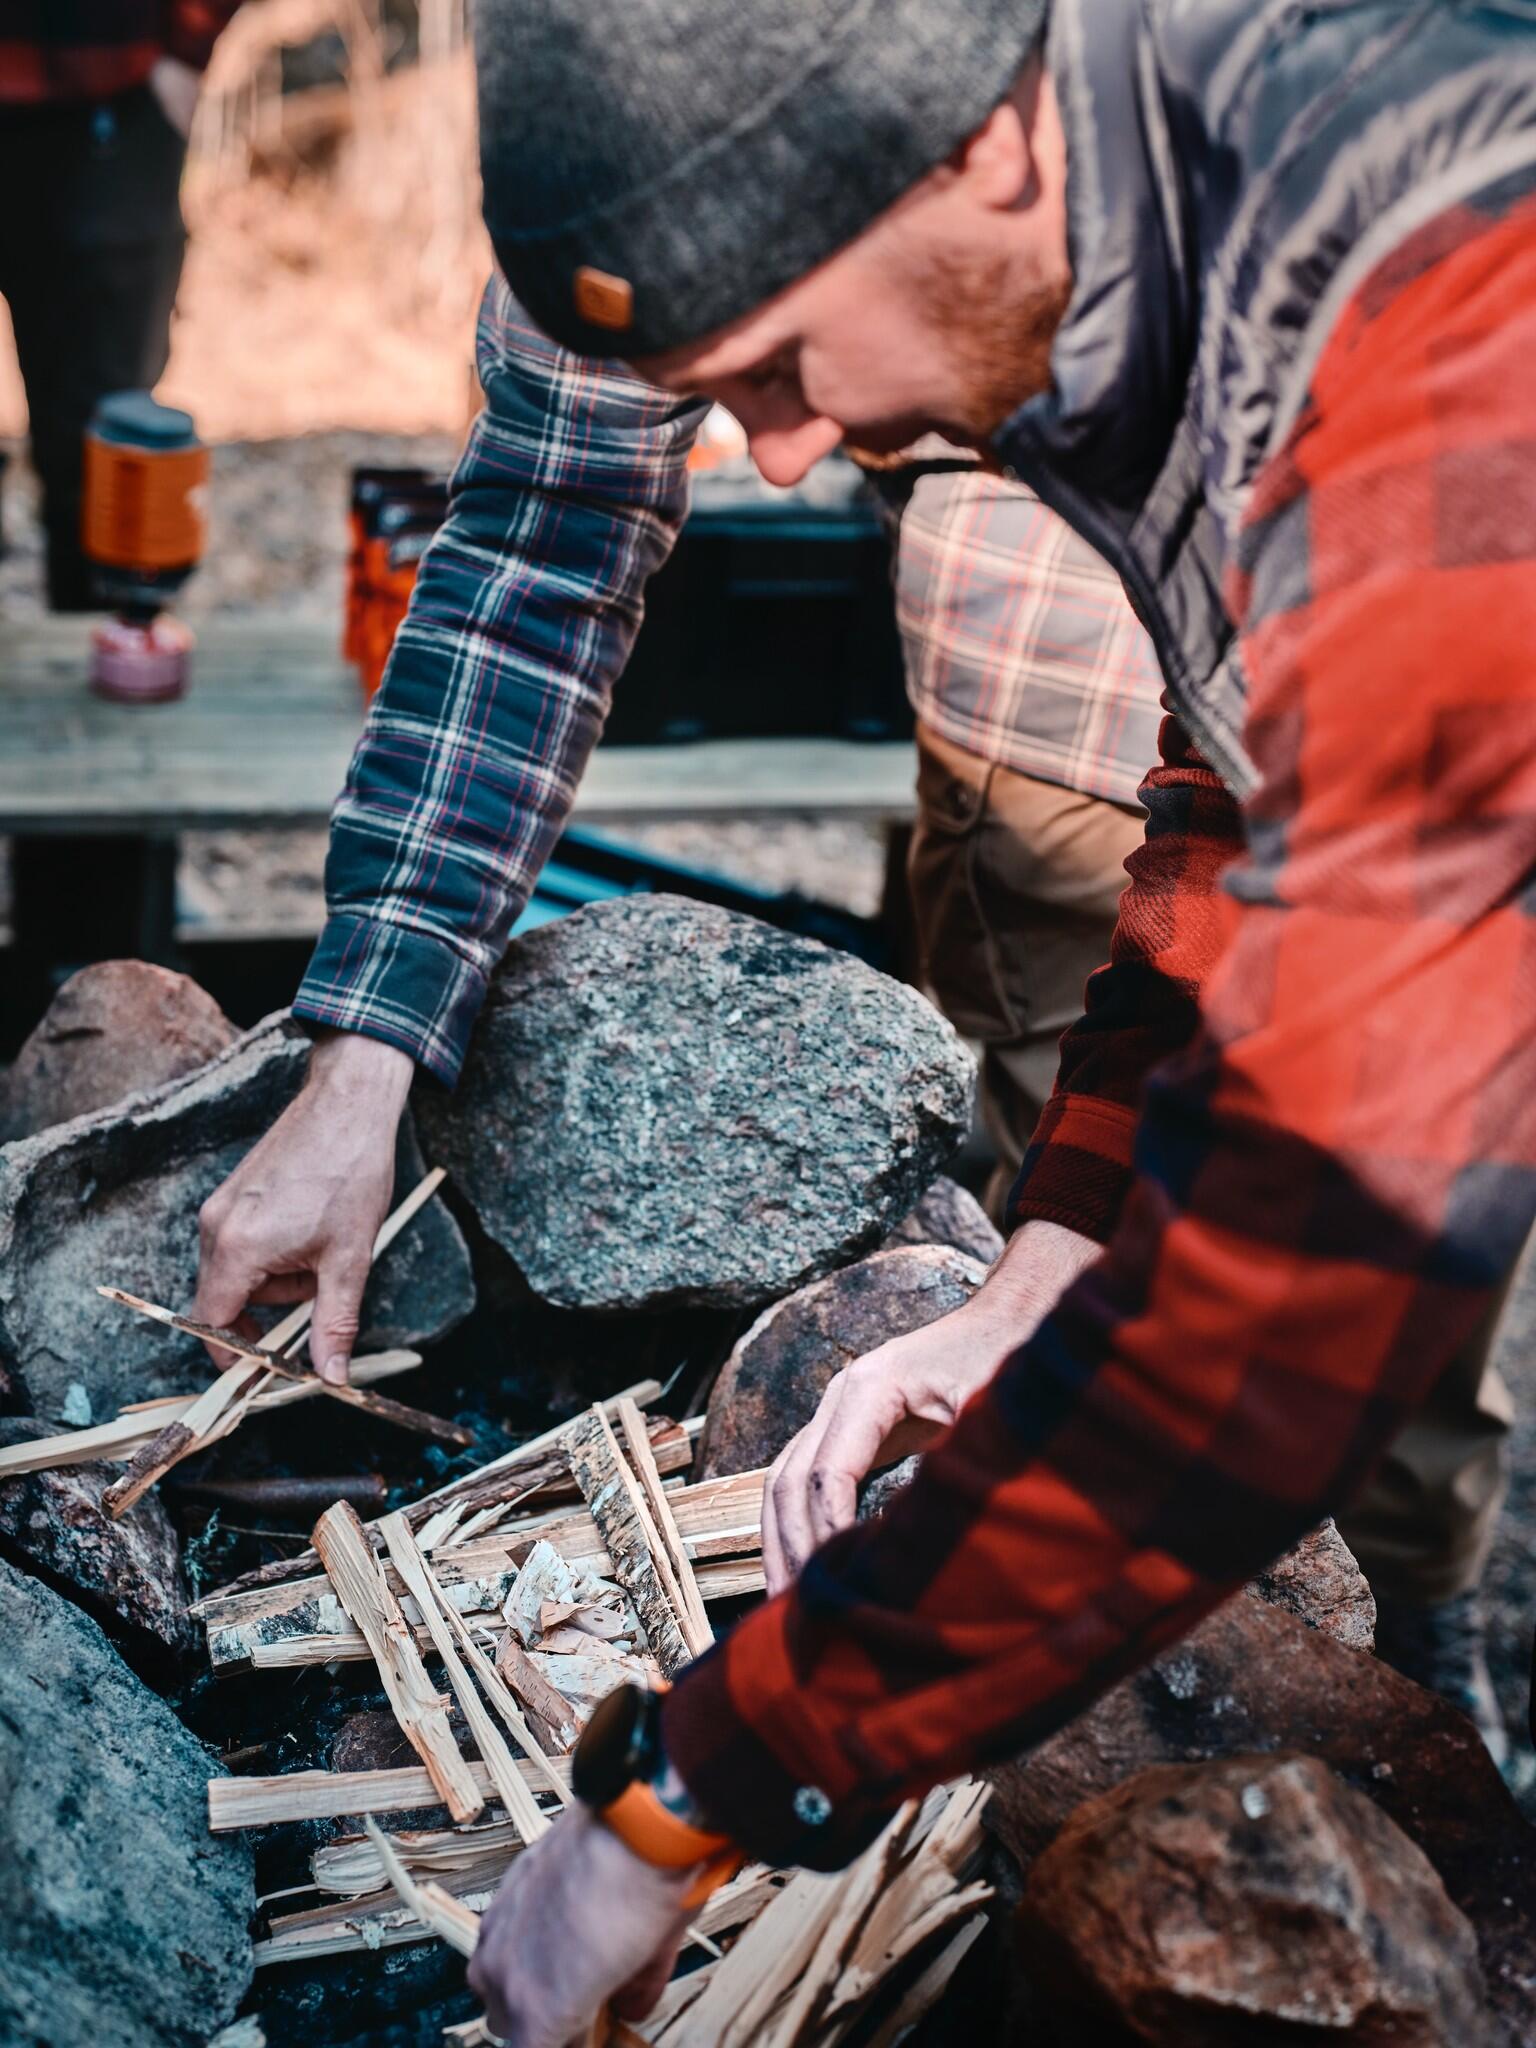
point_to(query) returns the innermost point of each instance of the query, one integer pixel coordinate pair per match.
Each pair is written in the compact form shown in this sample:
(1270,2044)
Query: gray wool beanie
(655,168)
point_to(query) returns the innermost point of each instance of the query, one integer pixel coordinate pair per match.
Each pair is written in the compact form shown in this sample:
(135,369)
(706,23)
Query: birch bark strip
(631,1538)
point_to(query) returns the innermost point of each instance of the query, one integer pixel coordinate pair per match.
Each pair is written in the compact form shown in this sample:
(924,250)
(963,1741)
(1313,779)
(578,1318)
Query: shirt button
(813,1809)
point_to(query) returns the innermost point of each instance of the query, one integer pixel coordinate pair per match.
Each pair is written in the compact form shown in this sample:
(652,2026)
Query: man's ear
(996,162)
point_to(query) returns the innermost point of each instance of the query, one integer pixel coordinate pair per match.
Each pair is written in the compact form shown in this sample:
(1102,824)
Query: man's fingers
(791,1487)
(773,1551)
(228,1279)
(485,1982)
(338,1314)
(870,1408)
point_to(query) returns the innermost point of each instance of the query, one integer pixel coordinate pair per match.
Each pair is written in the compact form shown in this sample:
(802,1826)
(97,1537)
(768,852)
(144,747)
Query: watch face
(607,1758)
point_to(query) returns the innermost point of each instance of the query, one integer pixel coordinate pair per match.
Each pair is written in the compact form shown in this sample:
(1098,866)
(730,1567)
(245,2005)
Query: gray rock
(126,1573)
(771,1384)
(669,1105)
(1254,1900)
(947,1214)
(112,1030)
(113,1199)
(123,1922)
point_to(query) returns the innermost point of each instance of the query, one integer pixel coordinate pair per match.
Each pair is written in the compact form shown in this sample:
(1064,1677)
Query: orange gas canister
(394,514)
(371,488)
(143,525)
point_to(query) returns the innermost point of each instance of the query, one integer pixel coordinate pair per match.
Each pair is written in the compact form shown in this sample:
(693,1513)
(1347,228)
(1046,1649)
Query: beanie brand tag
(604,300)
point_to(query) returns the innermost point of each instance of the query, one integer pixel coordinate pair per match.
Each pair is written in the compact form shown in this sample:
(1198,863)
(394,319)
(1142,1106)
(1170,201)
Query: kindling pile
(534,1586)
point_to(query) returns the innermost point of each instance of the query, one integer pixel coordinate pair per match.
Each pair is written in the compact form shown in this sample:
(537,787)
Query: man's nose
(784,454)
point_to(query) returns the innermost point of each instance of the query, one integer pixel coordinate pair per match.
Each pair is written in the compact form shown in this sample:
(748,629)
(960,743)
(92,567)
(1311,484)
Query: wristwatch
(615,1771)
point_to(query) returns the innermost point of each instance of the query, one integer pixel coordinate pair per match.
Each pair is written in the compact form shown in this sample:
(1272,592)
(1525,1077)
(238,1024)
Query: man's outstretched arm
(568,497)
(1142,1007)
(1330,1181)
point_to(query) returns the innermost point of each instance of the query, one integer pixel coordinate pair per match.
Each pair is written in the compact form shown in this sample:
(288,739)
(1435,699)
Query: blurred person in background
(96,102)
(1037,701)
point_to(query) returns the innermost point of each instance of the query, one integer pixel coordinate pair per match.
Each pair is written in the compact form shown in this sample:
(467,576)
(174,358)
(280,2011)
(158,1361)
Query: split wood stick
(697,1633)
(377,1405)
(284,1336)
(643,1393)
(449,1918)
(235,1803)
(504,1701)
(348,1867)
(816,1980)
(177,1440)
(350,1927)
(764,1964)
(522,1808)
(237,1388)
(136,1425)
(360,1585)
(920,1997)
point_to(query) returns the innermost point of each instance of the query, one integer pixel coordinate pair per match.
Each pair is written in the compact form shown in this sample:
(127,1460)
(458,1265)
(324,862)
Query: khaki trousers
(1015,884)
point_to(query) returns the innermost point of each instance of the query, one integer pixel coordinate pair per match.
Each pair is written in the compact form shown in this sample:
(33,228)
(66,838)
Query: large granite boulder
(666,1104)
(773,1381)
(123,1923)
(126,1573)
(1253,1900)
(113,1199)
(113,1029)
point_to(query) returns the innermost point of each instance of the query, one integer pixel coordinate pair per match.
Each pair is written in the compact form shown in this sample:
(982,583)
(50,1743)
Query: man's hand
(579,1920)
(176,86)
(299,1215)
(900,1398)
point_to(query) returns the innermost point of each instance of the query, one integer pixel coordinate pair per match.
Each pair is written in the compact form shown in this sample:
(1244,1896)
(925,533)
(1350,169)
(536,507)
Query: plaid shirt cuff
(794,1802)
(406,987)
(1078,1167)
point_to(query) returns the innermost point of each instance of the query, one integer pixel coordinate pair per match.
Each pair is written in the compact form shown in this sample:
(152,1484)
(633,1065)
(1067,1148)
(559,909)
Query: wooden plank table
(95,794)
(262,740)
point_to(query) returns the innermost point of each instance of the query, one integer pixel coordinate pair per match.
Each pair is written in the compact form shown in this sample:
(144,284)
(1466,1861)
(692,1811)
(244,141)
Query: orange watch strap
(657,1836)
(718,1871)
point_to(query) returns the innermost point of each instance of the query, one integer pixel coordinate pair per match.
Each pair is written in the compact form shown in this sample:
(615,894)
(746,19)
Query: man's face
(939,318)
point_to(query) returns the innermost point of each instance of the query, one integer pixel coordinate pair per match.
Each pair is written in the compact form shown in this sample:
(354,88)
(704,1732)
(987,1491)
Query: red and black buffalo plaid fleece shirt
(61,50)
(1301,1110)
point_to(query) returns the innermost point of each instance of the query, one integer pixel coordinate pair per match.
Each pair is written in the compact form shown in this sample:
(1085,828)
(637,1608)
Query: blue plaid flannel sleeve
(570,493)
